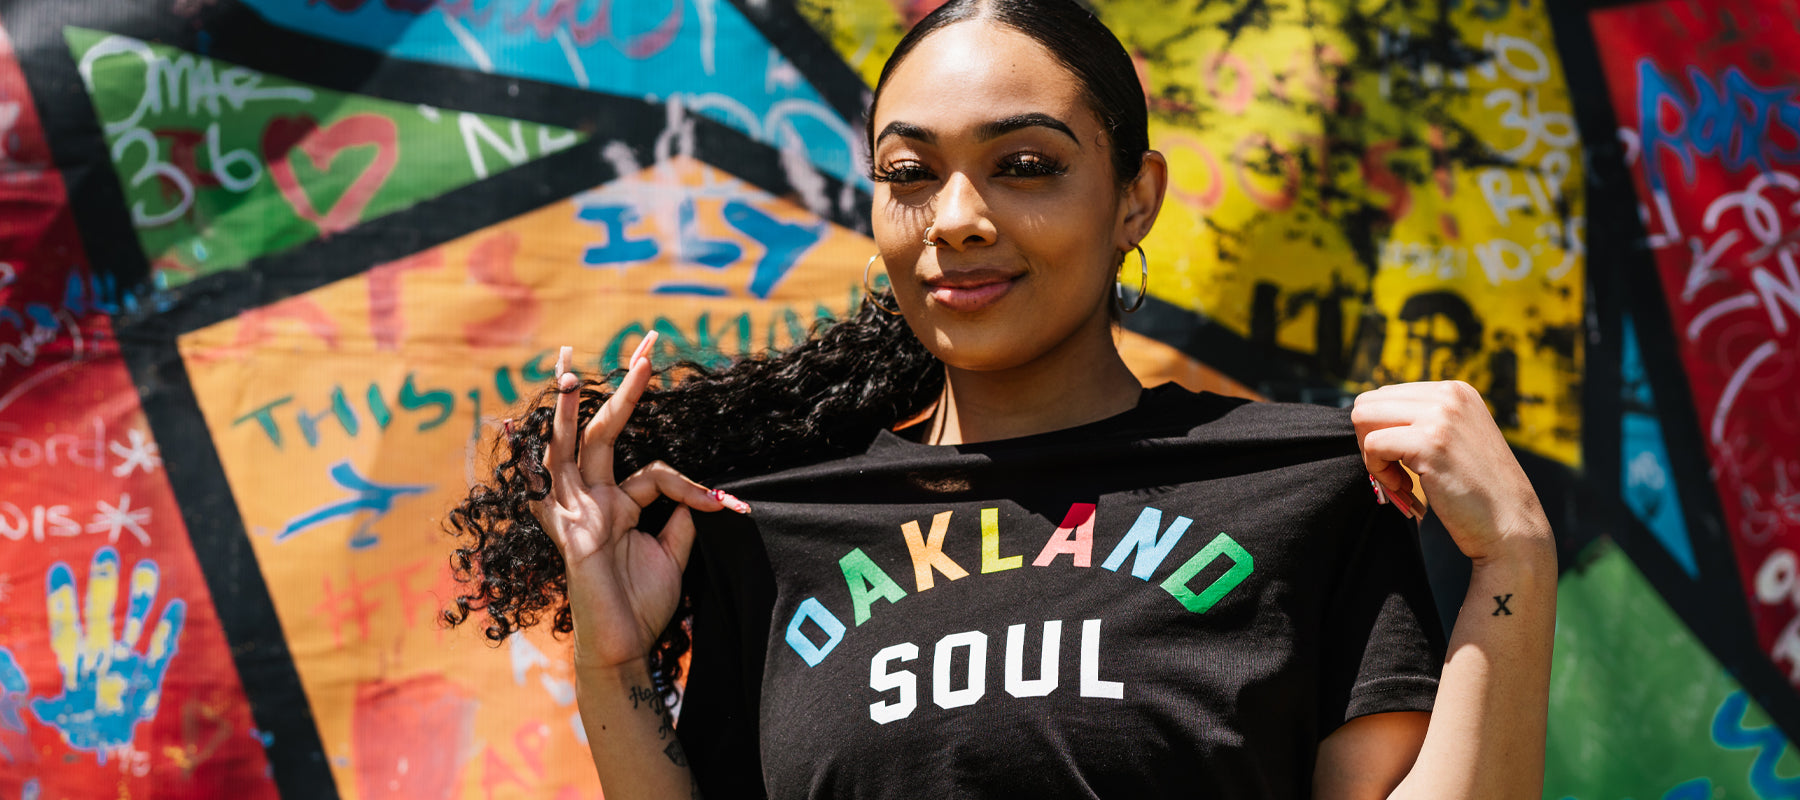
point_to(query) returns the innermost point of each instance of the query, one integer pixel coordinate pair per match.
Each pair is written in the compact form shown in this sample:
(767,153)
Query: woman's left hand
(1443,431)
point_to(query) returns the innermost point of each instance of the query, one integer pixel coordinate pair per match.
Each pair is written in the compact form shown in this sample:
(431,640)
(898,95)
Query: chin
(981,346)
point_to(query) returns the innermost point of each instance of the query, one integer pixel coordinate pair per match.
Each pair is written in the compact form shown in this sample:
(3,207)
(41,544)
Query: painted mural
(273,273)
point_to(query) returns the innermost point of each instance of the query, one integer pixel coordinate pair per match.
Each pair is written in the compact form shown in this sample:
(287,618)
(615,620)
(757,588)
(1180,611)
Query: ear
(1142,201)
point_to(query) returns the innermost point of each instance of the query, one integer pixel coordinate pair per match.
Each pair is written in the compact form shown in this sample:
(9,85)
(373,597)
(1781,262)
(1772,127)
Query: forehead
(976,71)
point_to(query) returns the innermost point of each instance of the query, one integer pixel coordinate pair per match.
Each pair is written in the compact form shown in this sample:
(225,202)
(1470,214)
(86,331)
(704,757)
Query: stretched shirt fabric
(1181,599)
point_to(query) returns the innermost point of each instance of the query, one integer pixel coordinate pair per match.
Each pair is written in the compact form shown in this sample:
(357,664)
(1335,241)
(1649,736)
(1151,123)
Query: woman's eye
(900,173)
(1029,166)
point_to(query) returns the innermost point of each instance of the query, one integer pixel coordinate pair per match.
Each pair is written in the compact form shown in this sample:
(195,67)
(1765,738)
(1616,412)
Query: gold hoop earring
(1143,284)
(871,291)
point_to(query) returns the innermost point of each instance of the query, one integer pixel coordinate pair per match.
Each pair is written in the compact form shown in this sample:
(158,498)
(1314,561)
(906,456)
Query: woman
(1112,590)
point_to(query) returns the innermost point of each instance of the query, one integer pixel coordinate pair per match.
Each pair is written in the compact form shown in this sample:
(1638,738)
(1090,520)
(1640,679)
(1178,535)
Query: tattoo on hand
(1501,602)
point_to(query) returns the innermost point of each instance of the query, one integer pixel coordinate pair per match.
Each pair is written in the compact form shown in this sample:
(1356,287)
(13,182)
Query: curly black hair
(823,399)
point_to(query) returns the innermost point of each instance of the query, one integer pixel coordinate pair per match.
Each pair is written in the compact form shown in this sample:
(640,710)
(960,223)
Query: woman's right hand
(624,583)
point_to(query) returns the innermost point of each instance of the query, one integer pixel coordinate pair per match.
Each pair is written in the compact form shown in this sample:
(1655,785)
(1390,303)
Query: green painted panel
(1639,709)
(221,164)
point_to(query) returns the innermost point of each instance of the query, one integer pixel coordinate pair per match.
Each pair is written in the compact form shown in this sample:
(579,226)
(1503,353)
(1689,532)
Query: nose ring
(930,241)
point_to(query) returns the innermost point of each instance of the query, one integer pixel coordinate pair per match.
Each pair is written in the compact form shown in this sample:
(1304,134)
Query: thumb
(1382,451)
(677,536)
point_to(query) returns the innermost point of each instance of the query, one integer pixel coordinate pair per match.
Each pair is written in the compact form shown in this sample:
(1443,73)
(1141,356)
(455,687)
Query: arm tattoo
(1501,600)
(676,755)
(646,697)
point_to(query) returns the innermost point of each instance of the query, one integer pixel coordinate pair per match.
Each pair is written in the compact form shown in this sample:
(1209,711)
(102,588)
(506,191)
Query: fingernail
(563,357)
(1380,496)
(642,348)
(506,425)
(730,502)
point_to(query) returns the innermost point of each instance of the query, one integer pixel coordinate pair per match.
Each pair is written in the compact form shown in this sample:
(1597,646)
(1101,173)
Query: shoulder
(1292,450)
(1217,418)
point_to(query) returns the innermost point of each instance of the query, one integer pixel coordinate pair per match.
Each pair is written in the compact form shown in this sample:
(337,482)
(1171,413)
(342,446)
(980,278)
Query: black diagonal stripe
(278,703)
(782,25)
(1275,373)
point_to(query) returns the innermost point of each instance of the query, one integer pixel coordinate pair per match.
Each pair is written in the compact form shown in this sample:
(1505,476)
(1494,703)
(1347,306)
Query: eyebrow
(992,129)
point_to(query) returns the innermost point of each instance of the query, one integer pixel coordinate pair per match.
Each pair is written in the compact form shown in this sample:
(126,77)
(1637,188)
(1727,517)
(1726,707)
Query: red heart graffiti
(302,133)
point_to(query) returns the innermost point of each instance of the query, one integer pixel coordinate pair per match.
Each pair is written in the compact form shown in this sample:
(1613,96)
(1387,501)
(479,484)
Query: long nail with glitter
(1402,501)
(729,501)
(642,348)
(565,380)
(1380,496)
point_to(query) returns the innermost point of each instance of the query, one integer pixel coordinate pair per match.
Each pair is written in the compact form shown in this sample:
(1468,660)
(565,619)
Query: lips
(967,291)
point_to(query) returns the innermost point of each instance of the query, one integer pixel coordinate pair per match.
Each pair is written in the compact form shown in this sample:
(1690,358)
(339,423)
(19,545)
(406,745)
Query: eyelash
(1029,165)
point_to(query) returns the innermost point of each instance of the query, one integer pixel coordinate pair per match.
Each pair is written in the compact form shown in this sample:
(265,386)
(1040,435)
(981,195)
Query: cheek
(896,222)
(1073,251)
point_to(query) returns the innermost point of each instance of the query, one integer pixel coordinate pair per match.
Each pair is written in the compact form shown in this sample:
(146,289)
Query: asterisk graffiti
(114,520)
(140,454)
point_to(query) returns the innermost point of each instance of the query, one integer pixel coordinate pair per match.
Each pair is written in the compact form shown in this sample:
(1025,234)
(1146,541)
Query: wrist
(589,667)
(1532,551)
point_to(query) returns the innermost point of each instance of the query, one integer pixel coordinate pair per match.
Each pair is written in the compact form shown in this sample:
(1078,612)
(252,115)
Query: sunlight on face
(983,138)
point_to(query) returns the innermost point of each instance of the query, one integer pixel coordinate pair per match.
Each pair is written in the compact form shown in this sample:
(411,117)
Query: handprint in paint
(108,686)
(13,688)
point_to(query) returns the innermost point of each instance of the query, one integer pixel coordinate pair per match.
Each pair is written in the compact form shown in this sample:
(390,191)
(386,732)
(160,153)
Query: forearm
(1486,737)
(631,733)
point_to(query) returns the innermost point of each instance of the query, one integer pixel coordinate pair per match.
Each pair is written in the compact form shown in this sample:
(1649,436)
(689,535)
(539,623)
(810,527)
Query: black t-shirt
(1181,599)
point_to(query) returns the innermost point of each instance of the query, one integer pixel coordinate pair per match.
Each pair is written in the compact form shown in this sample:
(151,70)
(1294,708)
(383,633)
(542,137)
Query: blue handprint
(108,687)
(13,688)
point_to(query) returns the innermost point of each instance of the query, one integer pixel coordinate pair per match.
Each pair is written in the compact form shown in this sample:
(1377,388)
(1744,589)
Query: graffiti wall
(273,273)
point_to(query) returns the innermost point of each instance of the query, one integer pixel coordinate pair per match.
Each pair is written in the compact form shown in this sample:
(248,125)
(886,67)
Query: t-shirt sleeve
(1382,644)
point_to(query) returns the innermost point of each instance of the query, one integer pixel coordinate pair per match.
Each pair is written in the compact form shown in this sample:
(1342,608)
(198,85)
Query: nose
(962,219)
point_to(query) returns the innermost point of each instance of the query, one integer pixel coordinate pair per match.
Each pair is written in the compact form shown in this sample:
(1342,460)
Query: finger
(1383,452)
(1453,402)
(1411,390)
(163,639)
(677,536)
(559,457)
(65,629)
(144,579)
(661,480)
(604,429)
(102,596)
(1373,412)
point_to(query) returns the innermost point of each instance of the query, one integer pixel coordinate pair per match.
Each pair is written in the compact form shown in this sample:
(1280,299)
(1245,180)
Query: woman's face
(984,138)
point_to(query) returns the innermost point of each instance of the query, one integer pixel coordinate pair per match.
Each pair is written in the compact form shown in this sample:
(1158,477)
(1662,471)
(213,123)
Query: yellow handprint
(107,686)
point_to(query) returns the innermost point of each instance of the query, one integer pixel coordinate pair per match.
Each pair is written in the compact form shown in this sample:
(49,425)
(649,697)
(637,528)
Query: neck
(1080,381)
